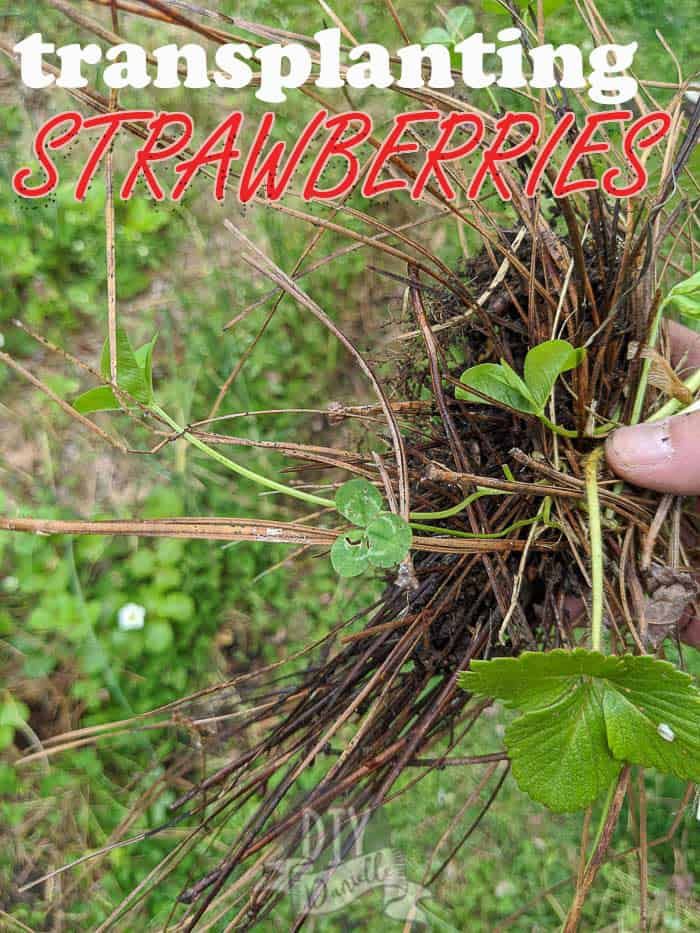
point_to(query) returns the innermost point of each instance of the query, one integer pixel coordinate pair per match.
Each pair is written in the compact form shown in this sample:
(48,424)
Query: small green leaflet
(545,363)
(381,538)
(358,501)
(497,383)
(685,299)
(349,559)
(459,23)
(13,715)
(134,375)
(389,538)
(501,384)
(585,714)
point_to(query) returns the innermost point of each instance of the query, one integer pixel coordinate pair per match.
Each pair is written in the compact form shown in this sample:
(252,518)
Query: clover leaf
(585,714)
(389,537)
(358,501)
(498,382)
(134,375)
(349,558)
(381,539)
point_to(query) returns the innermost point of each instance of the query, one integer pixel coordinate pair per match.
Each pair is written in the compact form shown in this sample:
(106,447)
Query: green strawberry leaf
(501,385)
(535,679)
(389,537)
(349,559)
(652,717)
(560,755)
(358,501)
(545,363)
(585,714)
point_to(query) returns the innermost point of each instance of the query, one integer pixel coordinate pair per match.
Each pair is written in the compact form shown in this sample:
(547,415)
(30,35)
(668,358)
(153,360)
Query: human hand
(665,455)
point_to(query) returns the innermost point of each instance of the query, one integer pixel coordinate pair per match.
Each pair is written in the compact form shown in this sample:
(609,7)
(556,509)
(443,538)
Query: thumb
(663,455)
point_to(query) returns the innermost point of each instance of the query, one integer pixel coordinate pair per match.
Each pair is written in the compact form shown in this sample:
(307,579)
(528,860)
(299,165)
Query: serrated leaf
(545,363)
(647,711)
(389,537)
(560,755)
(652,717)
(498,384)
(534,679)
(358,501)
(349,559)
(98,399)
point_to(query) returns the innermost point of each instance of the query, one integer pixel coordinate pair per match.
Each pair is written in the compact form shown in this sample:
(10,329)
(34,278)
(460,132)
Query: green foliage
(358,501)
(381,539)
(52,274)
(585,714)
(459,22)
(684,301)
(548,6)
(52,258)
(134,375)
(499,383)
(13,715)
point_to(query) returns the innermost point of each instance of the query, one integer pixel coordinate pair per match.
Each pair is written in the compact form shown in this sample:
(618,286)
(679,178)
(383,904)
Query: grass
(211,611)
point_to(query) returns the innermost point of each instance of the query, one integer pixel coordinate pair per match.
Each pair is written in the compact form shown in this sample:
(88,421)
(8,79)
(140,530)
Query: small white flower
(504,888)
(666,732)
(131,617)
(9,584)
(2,341)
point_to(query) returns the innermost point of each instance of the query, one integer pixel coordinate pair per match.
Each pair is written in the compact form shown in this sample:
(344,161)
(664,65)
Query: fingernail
(644,445)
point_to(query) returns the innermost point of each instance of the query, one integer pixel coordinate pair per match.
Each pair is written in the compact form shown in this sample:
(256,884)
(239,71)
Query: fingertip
(663,456)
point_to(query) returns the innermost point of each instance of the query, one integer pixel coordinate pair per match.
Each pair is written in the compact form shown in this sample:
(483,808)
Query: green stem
(319,500)
(241,470)
(557,429)
(329,503)
(646,367)
(523,523)
(604,815)
(460,507)
(596,538)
